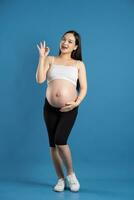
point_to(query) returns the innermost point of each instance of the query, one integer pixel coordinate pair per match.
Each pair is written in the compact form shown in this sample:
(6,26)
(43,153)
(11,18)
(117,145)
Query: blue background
(102,139)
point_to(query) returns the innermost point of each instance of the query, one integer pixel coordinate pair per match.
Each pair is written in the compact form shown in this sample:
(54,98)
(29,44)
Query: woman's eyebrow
(71,40)
(68,39)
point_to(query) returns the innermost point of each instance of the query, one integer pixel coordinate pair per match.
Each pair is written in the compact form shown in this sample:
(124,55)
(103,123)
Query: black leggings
(58,124)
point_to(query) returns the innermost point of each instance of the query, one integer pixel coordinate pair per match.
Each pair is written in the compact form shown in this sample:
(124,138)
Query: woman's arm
(83,83)
(42,68)
(43,64)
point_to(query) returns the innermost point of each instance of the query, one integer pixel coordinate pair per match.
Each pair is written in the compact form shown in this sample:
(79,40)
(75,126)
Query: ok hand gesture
(43,50)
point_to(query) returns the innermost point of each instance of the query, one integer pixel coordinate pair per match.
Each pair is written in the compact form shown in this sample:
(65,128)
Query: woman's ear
(75,47)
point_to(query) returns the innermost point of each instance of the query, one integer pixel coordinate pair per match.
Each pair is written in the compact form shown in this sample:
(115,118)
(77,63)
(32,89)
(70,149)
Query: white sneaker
(59,187)
(73,182)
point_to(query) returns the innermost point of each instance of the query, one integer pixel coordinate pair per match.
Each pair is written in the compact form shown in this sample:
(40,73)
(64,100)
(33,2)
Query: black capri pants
(59,124)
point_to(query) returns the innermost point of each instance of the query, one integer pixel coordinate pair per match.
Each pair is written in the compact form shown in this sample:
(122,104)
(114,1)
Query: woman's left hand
(70,106)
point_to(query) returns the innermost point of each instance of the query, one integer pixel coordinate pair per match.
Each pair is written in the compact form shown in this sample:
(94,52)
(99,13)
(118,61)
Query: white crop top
(58,71)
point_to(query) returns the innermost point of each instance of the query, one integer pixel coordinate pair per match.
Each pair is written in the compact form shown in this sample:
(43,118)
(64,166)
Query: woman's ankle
(61,177)
(70,172)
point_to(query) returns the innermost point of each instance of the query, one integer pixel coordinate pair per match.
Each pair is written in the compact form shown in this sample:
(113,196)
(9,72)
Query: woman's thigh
(65,125)
(51,118)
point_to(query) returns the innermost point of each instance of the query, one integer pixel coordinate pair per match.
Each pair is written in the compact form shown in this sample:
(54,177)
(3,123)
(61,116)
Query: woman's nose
(65,43)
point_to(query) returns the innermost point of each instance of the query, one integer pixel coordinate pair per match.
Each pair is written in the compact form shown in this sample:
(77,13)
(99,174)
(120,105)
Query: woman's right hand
(43,50)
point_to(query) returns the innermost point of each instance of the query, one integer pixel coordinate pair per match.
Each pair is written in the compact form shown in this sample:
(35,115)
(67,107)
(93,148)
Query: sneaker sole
(58,190)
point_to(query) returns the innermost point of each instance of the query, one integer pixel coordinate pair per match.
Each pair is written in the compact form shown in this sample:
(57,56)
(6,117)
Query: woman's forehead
(69,36)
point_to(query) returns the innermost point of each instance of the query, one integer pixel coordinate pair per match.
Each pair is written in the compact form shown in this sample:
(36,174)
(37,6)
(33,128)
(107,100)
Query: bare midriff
(60,91)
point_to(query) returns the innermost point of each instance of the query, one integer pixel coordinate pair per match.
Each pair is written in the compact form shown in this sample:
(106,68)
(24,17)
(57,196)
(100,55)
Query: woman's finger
(44,43)
(38,47)
(65,110)
(41,44)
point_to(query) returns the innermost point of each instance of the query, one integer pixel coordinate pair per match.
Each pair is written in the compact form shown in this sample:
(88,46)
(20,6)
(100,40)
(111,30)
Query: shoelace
(60,182)
(72,180)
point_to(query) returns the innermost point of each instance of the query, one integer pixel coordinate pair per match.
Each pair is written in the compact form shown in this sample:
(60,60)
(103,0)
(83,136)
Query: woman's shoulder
(80,64)
(50,58)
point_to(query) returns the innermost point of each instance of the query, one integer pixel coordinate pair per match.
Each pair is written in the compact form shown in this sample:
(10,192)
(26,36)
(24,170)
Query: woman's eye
(63,39)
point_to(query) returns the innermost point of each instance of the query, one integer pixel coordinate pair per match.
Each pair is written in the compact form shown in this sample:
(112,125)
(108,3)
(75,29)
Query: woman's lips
(64,47)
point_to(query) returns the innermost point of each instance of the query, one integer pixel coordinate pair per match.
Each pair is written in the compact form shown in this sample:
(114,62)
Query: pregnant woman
(66,88)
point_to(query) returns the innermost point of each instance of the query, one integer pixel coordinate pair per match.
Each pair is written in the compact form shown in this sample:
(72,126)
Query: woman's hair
(76,54)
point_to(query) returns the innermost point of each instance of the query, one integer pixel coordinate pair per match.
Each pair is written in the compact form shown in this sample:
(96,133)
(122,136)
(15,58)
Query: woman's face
(67,43)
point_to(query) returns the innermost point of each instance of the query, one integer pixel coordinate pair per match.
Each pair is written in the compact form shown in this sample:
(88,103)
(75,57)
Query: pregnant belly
(59,92)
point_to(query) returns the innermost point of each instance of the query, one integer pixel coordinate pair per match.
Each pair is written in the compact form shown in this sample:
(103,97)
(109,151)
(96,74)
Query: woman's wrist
(78,101)
(42,57)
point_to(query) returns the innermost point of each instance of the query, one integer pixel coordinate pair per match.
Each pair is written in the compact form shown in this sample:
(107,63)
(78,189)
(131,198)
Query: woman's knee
(59,142)
(53,148)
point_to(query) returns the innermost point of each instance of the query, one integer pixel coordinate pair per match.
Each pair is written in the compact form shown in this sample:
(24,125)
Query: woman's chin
(64,50)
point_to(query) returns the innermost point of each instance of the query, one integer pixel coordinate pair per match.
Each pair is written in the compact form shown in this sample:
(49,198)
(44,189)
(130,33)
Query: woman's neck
(65,56)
